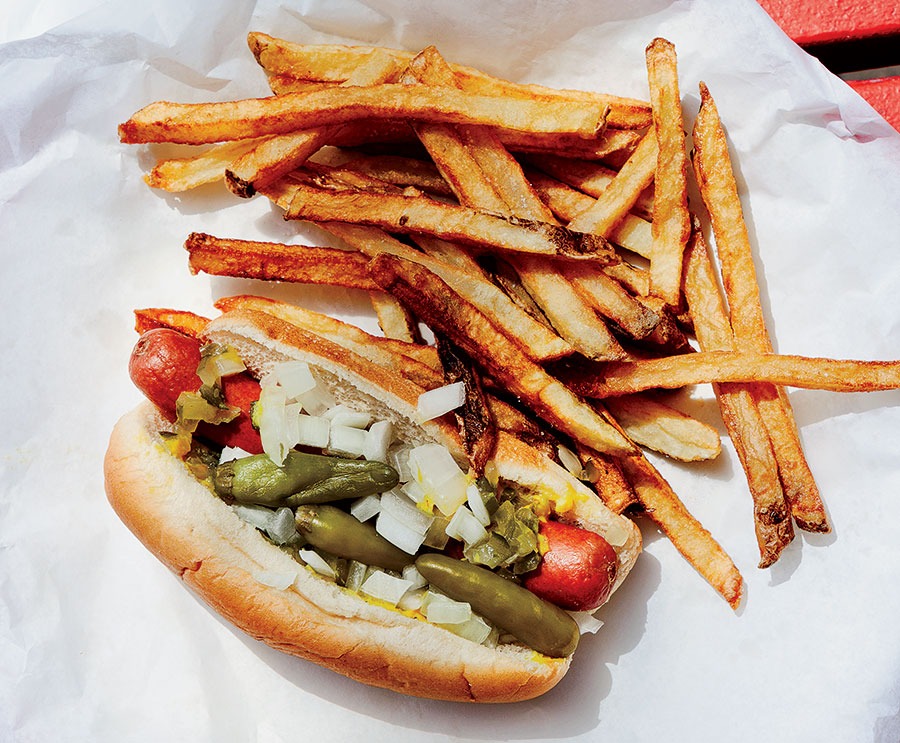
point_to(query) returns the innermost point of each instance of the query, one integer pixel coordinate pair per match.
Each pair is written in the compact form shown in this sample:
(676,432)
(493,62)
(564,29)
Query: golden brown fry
(672,372)
(156,317)
(718,188)
(541,343)
(622,193)
(448,313)
(592,179)
(418,213)
(394,319)
(336,63)
(660,427)
(687,534)
(606,475)
(399,171)
(273,261)
(671,220)
(201,123)
(382,351)
(632,233)
(774,530)
(612,143)
(184,173)
(610,299)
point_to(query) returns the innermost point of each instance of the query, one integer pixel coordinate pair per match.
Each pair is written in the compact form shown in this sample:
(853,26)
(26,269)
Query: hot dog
(291,566)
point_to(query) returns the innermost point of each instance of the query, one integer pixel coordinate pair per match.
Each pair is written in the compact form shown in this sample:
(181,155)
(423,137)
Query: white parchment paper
(99,642)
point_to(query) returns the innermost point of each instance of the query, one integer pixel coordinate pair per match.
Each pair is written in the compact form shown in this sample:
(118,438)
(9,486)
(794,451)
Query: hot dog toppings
(329,484)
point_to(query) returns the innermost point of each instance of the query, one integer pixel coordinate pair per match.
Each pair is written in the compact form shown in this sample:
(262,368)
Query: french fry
(611,143)
(660,427)
(279,155)
(672,372)
(671,219)
(542,343)
(185,322)
(202,123)
(399,171)
(593,179)
(632,233)
(688,536)
(393,318)
(774,530)
(184,173)
(606,475)
(418,213)
(268,261)
(622,193)
(476,423)
(718,188)
(336,63)
(448,313)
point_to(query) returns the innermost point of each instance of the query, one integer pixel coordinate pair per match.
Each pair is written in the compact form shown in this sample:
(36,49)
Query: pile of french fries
(545,239)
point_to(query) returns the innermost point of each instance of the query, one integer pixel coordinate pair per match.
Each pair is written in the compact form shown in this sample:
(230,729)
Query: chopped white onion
(405,511)
(616,534)
(437,472)
(443,610)
(378,439)
(434,403)
(313,431)
(385,587)
(294,377)
(398,458)
(586,621)
(342,415)
(474,629)
(570,461)
(414,576)
(230,453)
(317,401)
(412,599)
(346,441)
(316,562)
(476,503)
(412,490)
(362,509)
(356,574)
(282,528)
(397,533)
(464,526)
(276,439)
(277,580)
(258,516)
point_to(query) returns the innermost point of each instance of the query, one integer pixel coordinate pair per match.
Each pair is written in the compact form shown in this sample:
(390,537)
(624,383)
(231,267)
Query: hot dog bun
(231,566)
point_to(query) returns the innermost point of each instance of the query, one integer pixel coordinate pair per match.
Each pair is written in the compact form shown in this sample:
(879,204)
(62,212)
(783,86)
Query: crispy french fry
(632,233)
(185,322)
(184,173)
(622,193)
(611,300)
(201,123)
(273,261)
(478,429)
(448,313)
(774,530)
(399,171)
(606,475)
(336,63)
(718,188)
(418,213)
(393,318)
(671,220)
(672,372)
(687,534)
(660,427)
(542,343)
(611,143)
(593,179)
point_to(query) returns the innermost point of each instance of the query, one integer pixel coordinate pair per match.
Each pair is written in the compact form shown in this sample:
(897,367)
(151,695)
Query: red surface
(884,96)
(820,21)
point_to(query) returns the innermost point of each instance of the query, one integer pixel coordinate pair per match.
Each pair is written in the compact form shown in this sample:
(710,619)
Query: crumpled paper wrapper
(99,642)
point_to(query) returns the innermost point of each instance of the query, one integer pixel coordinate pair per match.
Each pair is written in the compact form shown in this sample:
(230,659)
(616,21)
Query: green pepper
(258,480)
(337,532)
(539,624)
